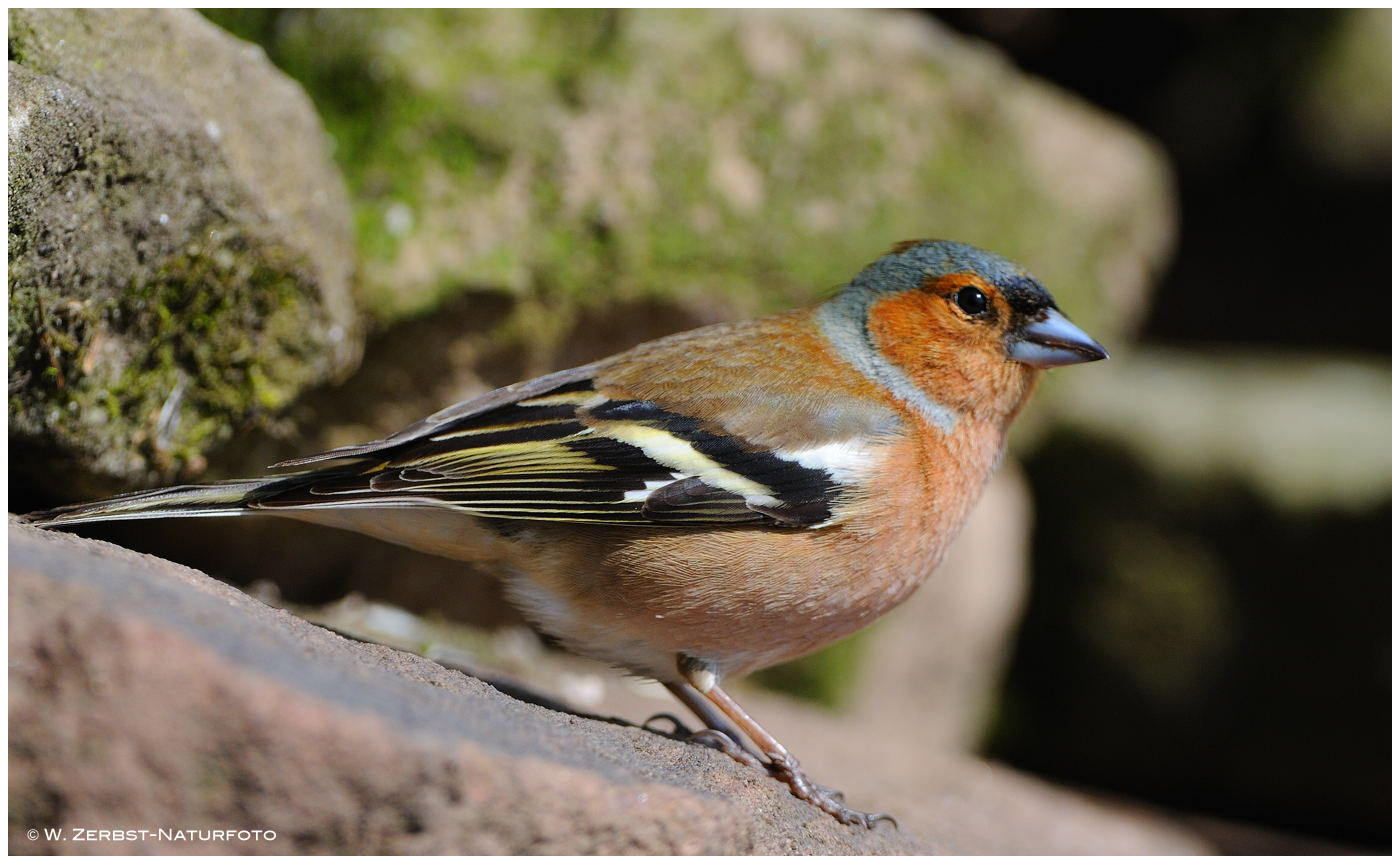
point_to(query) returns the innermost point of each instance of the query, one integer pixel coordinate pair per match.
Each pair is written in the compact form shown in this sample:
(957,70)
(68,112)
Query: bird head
(968,329)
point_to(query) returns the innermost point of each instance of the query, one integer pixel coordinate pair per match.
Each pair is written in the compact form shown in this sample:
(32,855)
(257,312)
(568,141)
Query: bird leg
(781,764)
(702,708)
(717,732)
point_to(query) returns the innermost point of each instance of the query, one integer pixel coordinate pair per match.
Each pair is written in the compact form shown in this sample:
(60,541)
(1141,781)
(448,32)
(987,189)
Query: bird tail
(229,498)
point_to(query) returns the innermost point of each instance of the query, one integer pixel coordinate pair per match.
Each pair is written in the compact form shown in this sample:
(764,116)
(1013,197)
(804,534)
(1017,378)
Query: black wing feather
(545,456)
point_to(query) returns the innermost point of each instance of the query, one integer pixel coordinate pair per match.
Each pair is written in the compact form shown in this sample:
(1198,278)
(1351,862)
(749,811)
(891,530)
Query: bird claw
(728,746)
(870,820)
(830,801)
(836,806)
(783,767)
(881,817)
(678,728)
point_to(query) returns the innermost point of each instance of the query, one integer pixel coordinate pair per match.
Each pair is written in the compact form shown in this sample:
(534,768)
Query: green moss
(211,343)
(229,317)
(47,336)
(21,36)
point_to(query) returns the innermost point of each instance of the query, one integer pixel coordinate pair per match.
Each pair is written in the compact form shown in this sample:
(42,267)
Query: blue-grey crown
(910,264)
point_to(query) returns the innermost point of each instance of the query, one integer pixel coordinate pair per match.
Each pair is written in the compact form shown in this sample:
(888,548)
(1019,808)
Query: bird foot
(785,768)
(830,801)
(728,746)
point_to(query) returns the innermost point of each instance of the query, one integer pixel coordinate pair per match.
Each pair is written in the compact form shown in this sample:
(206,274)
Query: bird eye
(971,300)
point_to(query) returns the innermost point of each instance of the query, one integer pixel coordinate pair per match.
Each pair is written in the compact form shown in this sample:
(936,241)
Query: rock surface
(145,695)
(180,248)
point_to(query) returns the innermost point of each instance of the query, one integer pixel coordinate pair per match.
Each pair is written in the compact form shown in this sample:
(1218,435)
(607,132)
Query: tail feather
(230,498)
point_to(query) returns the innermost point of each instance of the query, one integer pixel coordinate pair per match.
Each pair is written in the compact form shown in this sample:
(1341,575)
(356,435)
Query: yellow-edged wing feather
(569,453)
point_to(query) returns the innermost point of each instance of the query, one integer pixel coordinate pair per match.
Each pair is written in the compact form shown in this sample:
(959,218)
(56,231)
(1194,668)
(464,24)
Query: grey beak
(1053,341)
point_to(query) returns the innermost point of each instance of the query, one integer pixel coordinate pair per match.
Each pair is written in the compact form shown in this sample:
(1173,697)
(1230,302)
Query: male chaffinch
(715,501)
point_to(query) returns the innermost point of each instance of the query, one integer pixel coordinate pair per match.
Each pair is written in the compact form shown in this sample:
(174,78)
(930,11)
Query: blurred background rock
(1209,623)
(1198,536)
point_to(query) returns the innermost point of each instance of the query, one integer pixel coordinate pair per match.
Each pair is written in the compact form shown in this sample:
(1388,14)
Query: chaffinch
(715,501)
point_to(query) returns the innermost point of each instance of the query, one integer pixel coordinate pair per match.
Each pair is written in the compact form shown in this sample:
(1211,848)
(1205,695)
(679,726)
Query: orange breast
(748,598)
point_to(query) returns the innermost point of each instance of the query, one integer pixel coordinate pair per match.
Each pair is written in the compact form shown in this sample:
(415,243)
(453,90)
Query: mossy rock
(180,251)
(746,160)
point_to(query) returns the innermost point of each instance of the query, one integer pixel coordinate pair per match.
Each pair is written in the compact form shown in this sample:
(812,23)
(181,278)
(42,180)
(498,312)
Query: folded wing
(565,452)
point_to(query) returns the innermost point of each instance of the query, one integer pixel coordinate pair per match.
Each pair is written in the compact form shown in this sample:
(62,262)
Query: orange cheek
(914,334)
(947,358)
